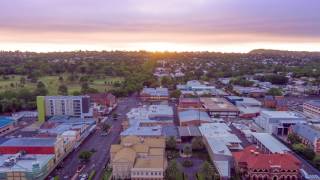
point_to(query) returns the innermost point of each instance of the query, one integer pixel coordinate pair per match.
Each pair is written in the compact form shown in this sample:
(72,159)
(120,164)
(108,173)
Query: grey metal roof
(189,131)
(306,132)
(192,114)
(314,103)
(29,142)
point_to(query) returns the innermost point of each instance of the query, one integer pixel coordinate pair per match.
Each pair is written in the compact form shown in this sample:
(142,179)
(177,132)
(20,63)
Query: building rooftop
(315,103)
(29,142)
(5,121)
(282,114)
(142,131)
(255,159)
(24,163)
(155,91)
(189,131)
(306,131)
(218,104)
(271,143)
(155,162)
(192,114)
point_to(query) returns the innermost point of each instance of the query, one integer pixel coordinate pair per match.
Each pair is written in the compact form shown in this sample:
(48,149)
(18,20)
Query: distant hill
(284,53)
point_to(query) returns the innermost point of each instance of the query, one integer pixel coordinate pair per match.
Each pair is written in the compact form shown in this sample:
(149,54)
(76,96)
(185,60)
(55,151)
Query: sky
(159,25)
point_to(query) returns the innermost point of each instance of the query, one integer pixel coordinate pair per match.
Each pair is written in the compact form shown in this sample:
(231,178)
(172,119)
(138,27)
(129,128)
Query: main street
(100,144)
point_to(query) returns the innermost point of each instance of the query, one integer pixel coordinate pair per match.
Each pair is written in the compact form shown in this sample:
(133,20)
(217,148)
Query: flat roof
(281,114)
(314,103)
(5,121)
(270,142)
(218,104)
(142,131)
(29,142)
(192,114)
(24,163)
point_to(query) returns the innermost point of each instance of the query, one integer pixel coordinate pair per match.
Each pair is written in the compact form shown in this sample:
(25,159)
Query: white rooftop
(281,114)
(271,143)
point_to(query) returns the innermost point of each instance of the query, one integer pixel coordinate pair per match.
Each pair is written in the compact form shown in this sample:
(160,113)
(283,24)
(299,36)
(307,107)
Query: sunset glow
(177,25)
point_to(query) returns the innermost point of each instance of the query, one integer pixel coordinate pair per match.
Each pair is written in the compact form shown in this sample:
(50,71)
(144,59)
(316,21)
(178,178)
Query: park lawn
(52,83)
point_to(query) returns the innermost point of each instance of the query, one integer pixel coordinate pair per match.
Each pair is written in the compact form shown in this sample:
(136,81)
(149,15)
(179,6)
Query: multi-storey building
(77,106)
(253,164)
(312,108)
(138,158)
(220,107)
(308,135)
(278,122)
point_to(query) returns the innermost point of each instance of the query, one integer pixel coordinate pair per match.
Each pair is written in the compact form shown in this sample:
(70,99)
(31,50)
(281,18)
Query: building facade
(252,164)
(77,106)
(312,108)
(138,158)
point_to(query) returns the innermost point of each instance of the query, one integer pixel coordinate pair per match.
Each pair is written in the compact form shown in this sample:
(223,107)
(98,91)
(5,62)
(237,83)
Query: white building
(278,122)
(219,140)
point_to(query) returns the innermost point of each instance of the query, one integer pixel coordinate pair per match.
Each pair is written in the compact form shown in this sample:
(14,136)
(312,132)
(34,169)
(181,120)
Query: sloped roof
(306,131)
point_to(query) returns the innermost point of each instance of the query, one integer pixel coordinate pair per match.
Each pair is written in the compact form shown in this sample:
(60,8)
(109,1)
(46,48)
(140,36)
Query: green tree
(293,138)
(309,153)
(187,149)
(173,170)
(274,92)
(171,142)
(106,127)
(175,94)
(299,148)
(207,171)
(63,90)
(85,156)
(197,143)
(316,161)
(41,89)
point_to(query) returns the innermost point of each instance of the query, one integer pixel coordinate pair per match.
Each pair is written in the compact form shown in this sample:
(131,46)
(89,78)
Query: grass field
(52,83)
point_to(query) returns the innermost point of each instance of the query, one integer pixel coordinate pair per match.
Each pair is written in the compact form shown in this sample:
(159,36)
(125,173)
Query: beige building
(138,158)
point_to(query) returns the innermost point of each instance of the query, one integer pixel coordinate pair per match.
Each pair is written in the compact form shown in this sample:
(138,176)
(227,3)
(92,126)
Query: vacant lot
(13,82)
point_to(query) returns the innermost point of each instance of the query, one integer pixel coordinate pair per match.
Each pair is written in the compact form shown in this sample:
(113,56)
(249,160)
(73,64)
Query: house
(138,158)
(278,122)
(219,107)
(308,135)
(252,163)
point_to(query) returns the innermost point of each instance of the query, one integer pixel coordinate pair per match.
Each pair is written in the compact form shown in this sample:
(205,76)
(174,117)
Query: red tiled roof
(255,159)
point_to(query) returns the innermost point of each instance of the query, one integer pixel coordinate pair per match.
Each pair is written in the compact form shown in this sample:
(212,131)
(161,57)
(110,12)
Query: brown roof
(157,162)
(156,152)
(125,155)
(130,140)
(155,142)
(218,104)
(141,148)
(115,148)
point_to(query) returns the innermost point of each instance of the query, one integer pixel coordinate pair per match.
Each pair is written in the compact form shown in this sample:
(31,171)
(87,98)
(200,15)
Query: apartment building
(77,106)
